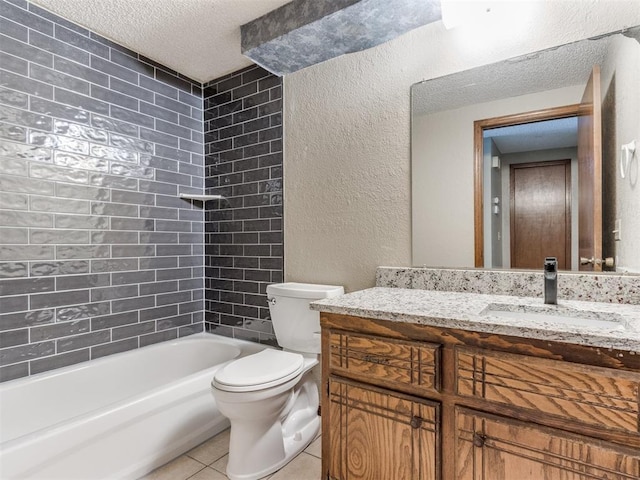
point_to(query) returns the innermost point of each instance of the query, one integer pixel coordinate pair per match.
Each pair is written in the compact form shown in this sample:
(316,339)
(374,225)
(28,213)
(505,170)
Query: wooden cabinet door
(496,448)
(377,434)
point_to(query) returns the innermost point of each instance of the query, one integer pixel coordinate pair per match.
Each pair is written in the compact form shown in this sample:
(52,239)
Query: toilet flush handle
(271,301)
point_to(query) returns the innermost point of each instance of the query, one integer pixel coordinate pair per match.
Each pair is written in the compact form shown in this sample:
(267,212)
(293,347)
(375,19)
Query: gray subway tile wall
(244,238)
(98,254)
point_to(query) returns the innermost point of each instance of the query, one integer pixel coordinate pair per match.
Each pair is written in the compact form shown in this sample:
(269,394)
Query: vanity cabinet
(409,401)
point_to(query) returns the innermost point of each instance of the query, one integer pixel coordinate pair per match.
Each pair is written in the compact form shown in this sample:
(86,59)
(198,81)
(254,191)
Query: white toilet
(270,397)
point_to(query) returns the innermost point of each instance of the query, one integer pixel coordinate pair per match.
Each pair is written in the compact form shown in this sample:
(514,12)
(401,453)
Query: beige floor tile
(214,452)
(303,467)
(221,464)
(208,474)
(211,450)
(315,448)
(179,469)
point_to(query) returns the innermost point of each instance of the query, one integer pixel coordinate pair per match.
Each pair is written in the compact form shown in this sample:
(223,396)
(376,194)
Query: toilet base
(292,448)
(267,433)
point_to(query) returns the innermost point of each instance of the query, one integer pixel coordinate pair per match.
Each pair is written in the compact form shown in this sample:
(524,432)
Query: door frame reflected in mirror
(479,126)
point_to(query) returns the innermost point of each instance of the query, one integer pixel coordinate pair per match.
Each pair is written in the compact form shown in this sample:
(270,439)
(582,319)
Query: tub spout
(551,280)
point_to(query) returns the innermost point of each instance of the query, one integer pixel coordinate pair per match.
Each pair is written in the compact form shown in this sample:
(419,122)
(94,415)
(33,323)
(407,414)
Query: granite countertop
(614,326)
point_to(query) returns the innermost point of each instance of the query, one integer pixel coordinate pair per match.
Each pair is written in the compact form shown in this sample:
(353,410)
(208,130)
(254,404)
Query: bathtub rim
(245,348)
(87,363)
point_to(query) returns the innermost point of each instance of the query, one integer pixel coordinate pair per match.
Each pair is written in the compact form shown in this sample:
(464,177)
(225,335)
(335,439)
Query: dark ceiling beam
(305,32)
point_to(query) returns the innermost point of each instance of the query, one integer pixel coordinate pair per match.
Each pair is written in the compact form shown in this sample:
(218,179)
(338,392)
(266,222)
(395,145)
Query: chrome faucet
(551,280)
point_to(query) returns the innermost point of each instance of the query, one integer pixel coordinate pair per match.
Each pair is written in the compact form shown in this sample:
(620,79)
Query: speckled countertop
(615,326)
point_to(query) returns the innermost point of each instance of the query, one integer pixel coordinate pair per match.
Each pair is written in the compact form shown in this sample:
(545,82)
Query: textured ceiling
(562,66)
(529,137)
(558,67)
(198,38)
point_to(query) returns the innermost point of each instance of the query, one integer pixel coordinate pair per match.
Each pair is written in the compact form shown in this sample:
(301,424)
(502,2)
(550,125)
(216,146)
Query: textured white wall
(347,147)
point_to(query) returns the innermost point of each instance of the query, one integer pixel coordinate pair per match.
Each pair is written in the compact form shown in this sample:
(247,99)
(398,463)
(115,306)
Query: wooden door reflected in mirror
(590,174)
(540,213)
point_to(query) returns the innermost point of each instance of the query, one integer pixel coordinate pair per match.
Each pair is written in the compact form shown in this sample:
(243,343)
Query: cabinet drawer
(592,395)
(407,366)
(492,447)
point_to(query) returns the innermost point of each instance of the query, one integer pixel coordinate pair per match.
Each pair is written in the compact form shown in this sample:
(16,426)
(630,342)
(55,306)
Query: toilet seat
(259,371)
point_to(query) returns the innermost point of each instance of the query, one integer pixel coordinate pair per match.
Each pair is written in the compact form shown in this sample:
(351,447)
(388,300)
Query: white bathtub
(117,417)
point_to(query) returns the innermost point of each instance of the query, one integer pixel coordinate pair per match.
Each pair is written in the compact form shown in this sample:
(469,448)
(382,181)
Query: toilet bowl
(271,422)
(271,397)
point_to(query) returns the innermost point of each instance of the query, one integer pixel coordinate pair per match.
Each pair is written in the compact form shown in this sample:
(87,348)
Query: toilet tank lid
(304,290)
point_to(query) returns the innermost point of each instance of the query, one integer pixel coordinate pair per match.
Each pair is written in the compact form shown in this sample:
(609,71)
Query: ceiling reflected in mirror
(528,137)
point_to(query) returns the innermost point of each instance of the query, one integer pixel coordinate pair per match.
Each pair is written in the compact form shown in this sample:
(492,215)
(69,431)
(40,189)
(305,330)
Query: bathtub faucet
(551,280)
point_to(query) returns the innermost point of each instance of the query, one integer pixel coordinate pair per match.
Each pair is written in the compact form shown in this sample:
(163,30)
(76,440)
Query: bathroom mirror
(454,195)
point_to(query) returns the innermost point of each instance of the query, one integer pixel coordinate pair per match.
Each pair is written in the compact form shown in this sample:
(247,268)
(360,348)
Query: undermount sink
(558,315)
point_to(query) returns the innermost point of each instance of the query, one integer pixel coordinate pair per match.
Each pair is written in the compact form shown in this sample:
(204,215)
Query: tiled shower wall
(243,147)
(98,254)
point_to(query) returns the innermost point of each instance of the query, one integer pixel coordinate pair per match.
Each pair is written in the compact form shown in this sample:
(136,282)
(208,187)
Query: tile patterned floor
(208,461)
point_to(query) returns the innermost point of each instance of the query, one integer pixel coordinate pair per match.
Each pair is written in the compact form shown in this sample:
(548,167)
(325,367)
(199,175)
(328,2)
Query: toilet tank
(297,327)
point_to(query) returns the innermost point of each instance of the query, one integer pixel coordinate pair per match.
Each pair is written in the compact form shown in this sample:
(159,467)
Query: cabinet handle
(478,440)
(416,422)
(375,359)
